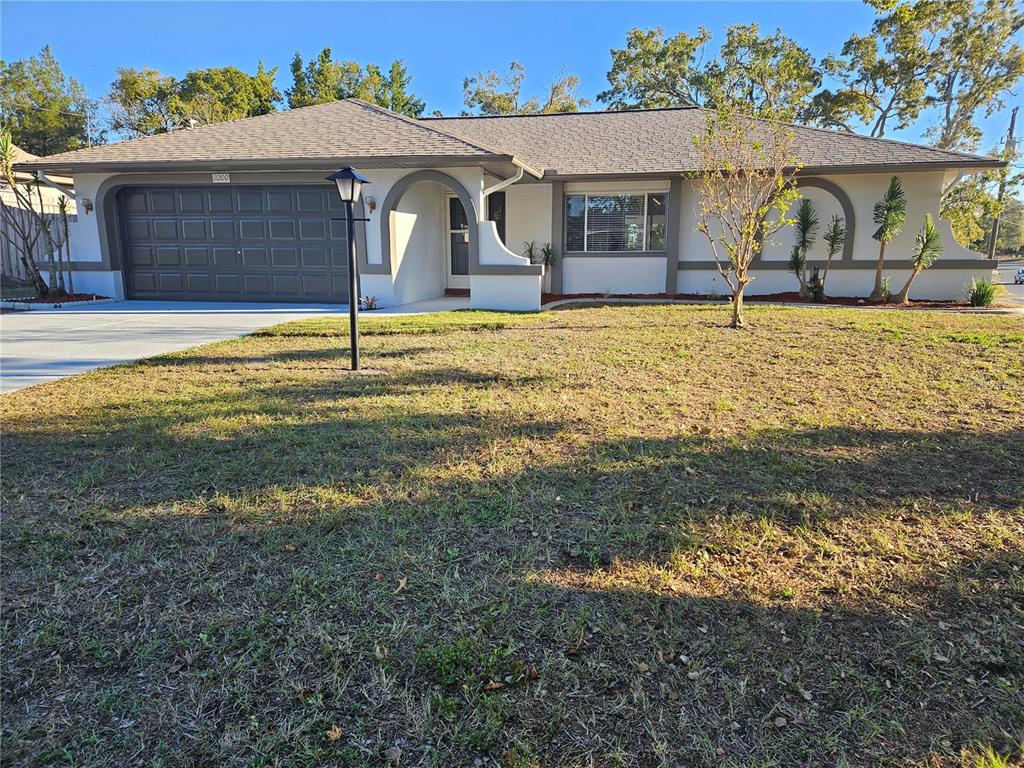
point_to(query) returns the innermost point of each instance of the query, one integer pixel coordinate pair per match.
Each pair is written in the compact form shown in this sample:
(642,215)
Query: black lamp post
(350,184)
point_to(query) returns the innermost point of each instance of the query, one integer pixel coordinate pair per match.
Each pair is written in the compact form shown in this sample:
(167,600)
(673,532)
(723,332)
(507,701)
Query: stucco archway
(394,197)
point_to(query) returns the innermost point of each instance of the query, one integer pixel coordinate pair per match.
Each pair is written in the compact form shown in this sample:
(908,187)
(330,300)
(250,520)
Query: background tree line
(944,62)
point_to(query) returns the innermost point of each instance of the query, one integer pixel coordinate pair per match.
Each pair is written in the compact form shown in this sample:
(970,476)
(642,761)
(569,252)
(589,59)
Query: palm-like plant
(927,248)
(805,228)
(834,237)
(890,214)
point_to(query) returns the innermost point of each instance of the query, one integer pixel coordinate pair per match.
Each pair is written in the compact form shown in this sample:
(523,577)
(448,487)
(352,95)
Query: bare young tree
(28,219)
(745,189)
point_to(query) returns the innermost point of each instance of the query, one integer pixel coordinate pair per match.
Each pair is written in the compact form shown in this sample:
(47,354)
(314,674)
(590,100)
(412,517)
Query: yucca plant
(834,237)
(980,292)
(797,264)
(927,248)
(531,251)
(889,215)
(805,227)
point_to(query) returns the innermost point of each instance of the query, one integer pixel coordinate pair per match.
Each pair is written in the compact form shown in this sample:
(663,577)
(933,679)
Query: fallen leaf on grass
(403,583)
(394,754)
(493,685)
(334,733)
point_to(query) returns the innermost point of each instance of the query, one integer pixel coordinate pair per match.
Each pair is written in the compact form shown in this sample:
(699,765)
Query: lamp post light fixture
(350,184)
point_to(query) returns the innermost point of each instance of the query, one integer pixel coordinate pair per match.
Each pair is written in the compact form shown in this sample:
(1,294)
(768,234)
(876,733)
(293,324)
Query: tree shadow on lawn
(190,649)
(113,595)
(249,438)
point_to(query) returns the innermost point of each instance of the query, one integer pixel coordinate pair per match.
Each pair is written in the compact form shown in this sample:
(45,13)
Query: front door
(457,243)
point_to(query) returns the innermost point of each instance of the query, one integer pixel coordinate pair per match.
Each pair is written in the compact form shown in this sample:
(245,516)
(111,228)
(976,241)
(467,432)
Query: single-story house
(241,210)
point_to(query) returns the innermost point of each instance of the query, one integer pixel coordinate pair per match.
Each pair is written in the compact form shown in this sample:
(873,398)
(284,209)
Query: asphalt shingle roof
(658,141)
(340,129)
(661,140)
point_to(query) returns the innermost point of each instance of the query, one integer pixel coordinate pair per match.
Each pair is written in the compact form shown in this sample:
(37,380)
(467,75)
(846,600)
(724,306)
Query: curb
(46,306)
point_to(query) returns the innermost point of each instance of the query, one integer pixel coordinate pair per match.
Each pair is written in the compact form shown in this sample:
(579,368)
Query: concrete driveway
(44,346)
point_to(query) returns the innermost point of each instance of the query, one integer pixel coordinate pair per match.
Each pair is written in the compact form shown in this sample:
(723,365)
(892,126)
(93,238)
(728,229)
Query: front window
(615,223)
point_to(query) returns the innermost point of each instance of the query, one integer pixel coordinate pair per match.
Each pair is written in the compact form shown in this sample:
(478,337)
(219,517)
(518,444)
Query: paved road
(44,346)
(1015,293)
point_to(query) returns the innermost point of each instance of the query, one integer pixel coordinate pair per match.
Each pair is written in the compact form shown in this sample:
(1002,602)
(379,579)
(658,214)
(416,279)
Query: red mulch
(790,297)
(67,298)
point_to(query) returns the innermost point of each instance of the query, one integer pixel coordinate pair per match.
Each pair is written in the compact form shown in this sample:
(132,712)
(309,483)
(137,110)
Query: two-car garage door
(245,243)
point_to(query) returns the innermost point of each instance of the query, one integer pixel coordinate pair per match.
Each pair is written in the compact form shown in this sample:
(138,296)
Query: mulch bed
(788,297)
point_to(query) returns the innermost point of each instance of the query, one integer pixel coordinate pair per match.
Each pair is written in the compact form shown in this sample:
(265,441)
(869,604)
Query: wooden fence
(11,247)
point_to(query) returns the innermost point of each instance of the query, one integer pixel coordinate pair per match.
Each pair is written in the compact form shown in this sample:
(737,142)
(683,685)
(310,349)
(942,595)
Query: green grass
(617,536)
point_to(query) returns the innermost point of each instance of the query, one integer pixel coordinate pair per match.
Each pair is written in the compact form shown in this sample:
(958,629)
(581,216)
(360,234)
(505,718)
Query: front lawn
(594,537)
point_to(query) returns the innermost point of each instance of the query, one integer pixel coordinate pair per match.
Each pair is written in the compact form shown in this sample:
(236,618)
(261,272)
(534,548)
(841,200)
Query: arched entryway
(398,191)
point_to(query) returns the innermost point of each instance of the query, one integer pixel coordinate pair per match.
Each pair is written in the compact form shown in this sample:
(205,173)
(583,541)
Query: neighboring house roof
(638,142)
(316,137)
(656,141)
(21,156)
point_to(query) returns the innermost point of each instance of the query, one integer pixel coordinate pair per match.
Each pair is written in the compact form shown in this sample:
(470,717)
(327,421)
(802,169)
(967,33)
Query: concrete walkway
(49,345)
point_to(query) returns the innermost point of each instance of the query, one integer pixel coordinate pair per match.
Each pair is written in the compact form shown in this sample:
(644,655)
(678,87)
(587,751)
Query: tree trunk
(876,293)
(824,275)
(903,297)
(33,274)
(737,307)
(67,242)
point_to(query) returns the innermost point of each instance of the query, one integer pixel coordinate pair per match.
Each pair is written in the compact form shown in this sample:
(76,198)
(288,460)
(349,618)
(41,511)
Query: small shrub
(547,255)
(531,251)
(886,292)
(369,303)
(980,292)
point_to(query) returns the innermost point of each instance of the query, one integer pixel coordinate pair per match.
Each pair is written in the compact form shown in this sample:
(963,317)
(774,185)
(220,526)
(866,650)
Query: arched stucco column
(394,197)
(844,202)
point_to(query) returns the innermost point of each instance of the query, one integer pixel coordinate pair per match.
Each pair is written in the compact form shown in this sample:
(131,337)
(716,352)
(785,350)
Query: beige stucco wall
(527,215)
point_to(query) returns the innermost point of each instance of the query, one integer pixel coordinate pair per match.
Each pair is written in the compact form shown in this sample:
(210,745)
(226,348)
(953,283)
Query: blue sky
(441,43)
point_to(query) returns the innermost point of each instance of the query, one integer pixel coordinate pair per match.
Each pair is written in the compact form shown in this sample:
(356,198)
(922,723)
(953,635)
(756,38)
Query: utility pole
(1010,153)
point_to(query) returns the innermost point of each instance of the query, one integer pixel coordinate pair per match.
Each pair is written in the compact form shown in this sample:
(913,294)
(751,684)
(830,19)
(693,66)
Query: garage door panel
(284,257)
(193,229)
(279,201)
(199,282)
(310,201)
(228,285)
(162,202)
(255,257)
(316,284)
(253,229)
(284,283)
(191,202)
(138,230)
(168,256)
(164,229)
(140,256)
(197,256)
(282,229)
(249,201)
(220,202)
(314,256)
(143,281)
(226,257)
(222,229)
(170,282)
(258,284)
(339,257)
(312,229)
(135,202)
(269,243)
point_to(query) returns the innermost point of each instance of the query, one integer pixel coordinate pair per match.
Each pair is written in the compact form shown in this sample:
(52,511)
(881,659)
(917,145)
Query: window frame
(645,193)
